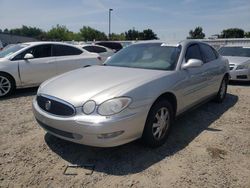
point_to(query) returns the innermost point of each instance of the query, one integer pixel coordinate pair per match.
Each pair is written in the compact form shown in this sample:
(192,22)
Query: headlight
(114,106)
(88,107)
(245,66)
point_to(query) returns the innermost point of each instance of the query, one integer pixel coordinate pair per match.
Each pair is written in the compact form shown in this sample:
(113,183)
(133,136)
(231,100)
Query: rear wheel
(222,91)
(158,124)
(7,85)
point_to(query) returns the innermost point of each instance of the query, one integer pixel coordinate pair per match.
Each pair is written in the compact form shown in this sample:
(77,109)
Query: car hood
(97,83)
(237,60)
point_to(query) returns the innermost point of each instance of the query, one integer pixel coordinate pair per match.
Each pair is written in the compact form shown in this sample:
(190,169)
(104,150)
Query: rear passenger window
(208,53)
(95,49)
(193,52)
(89,48)
(99,49)
(63,50)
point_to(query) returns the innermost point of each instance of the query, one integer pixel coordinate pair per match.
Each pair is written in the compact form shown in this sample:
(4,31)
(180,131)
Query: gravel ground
(208,147)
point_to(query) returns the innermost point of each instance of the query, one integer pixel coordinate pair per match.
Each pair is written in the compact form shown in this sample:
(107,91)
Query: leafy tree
(115,36)
(232,33)
(27,31)
(247,34)
(132,34)
(60,33)
(6,30)
(148,34)
(90,34)
(197,33)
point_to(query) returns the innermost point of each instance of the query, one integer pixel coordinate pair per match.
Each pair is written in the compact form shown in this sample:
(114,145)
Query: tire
(155,123)
(222,91)
(7,85)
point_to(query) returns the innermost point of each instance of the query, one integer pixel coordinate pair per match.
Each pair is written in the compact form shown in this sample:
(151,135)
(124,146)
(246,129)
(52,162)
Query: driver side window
(40,51)
(193,52)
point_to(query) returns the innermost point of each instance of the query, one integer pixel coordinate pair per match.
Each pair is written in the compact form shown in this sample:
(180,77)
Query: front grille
(55,106)
(60,132)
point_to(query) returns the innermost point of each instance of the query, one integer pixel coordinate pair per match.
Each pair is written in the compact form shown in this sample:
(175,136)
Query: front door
(41,67)
(194,82)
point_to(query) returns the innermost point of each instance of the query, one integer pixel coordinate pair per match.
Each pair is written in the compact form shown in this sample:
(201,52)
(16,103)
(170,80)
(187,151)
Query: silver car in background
(29,64)
(102,51)
(239,61)
(136,94)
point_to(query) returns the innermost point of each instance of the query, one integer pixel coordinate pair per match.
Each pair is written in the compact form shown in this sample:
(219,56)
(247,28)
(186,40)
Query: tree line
(86,33)
(198,33)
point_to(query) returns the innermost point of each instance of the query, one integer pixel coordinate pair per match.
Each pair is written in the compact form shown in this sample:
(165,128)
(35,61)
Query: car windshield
(148,56)
(7,51)
(235,51)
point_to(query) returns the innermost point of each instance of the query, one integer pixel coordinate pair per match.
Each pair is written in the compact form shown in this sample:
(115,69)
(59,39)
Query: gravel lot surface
(208,147)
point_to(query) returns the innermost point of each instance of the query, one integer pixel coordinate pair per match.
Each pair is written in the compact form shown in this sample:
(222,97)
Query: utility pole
(110,22)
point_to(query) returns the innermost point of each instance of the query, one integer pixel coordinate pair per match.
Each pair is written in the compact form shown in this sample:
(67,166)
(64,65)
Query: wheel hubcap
(4,86)
(161,123)
(223,89)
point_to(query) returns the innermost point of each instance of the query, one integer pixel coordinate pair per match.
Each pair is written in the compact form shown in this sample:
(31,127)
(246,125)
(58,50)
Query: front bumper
(93,130)
(239,75)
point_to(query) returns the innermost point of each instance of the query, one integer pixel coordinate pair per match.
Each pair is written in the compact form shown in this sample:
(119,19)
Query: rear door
(212,68)
(69,58)
(40,68)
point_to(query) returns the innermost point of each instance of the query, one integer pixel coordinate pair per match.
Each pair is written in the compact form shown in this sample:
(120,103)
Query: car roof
(46,42)
(171,42)
(52,42)
(237,45)
(94,45)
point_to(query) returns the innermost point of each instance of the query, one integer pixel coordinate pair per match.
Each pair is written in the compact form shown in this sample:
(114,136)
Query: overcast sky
(168,19)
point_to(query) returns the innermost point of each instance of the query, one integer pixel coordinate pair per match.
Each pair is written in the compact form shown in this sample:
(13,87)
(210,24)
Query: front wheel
(7,85)
(222,91)
(158,124)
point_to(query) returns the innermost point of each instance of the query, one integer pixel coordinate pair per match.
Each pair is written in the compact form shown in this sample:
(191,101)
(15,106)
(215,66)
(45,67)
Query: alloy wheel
(5,86)
(223,88)
(161,123)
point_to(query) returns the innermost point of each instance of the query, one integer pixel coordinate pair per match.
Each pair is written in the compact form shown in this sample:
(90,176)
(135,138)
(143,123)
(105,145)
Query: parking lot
(208,147)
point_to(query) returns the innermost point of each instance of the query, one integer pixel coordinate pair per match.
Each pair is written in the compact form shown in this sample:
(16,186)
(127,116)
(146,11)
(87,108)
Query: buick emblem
(47,105)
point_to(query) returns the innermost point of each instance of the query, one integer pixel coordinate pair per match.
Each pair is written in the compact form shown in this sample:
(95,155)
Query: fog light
(110,135)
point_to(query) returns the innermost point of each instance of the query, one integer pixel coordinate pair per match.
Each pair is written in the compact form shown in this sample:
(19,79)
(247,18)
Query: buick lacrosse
(137,93)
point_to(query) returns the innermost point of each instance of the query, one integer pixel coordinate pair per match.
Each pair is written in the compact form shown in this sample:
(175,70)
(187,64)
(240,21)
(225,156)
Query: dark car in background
(115,46)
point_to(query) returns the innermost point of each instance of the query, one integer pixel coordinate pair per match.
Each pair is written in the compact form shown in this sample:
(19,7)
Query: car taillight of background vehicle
(99,58)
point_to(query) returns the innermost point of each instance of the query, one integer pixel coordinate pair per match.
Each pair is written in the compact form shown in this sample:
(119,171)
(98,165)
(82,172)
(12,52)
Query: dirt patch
(207,147)
(216,153)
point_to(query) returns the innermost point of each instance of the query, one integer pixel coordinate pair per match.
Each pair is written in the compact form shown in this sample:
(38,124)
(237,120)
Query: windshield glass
(148,56)
(235,51)
(7,51)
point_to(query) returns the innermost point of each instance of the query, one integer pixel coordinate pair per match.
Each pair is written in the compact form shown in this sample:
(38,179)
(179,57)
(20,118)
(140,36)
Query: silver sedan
(136,94)
(239,61)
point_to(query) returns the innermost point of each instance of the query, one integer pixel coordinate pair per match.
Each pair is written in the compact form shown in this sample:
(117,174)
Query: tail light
(99,58)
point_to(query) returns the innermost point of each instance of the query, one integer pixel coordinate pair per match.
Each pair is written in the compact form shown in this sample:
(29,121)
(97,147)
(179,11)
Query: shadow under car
(134,157)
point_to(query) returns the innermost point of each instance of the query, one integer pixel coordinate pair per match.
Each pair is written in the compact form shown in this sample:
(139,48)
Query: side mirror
(28,56)
(192,63)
